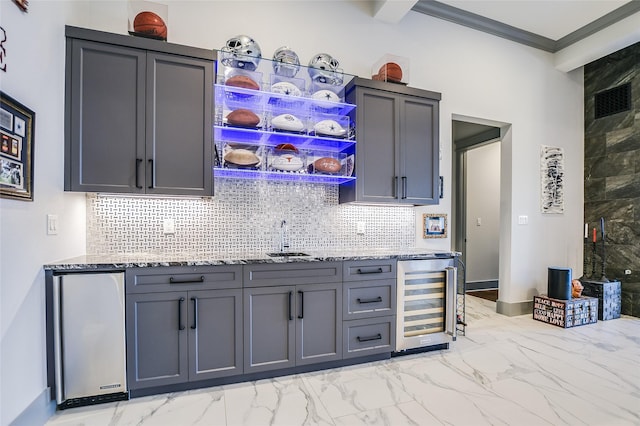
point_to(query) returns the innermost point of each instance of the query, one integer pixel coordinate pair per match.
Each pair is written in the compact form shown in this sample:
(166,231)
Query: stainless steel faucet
(284,238)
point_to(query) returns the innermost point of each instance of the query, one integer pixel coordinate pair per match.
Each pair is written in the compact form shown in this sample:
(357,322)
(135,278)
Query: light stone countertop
(143,260)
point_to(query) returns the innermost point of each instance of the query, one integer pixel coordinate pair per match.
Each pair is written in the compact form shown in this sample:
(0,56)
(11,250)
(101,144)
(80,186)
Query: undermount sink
(286,254)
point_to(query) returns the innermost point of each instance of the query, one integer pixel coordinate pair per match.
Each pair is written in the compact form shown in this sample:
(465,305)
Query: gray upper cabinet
(397,154)
(138,115)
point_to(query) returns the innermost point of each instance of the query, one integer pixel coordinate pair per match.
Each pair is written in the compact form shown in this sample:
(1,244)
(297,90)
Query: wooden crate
(565,313)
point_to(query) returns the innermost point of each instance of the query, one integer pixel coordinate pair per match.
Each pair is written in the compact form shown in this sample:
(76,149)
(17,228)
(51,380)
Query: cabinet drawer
(271,274)
(145,280)
(365,299)
(368,336)
(360,270)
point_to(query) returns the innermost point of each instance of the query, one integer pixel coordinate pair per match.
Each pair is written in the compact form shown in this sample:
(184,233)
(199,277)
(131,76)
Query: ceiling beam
(477,22)
(392,11)
(490,26)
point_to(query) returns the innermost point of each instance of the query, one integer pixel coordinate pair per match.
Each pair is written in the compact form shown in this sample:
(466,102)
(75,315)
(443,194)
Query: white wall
(483,204)
(479,76)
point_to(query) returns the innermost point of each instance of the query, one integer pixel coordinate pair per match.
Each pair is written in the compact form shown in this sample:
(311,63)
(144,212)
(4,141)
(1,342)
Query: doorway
(476,202)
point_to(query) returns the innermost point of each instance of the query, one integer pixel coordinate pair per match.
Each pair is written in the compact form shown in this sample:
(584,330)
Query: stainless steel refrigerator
(89,338)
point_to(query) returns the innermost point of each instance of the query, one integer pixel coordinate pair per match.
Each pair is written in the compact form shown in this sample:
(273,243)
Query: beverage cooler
(426,302)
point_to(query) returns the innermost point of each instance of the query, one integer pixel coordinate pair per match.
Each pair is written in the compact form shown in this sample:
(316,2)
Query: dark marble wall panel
(612,173)
(595,146)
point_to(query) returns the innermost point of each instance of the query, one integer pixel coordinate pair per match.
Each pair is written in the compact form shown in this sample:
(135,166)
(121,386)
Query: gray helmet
(323,68)
(285,62)
(241,52)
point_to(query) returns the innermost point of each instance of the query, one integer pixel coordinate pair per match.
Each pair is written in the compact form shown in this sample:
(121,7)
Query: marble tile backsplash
(244,216)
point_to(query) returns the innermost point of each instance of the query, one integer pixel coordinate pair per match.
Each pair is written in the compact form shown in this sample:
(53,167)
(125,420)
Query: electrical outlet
(168,226)
(360,228)
(52,224)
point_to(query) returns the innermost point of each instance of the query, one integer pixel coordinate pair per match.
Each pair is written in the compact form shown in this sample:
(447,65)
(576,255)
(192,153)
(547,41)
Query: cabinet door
(215,330)
(318,323)
(269,328)
(377,152)
(104,118)
(178,140)
(419,156)
(156,339)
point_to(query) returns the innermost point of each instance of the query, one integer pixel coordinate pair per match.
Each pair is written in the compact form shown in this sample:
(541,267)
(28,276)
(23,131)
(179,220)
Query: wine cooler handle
(451,297)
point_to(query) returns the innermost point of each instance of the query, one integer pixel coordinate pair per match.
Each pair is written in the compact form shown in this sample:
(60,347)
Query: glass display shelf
(294,127)
(271,139)
(280,176)
(237,97)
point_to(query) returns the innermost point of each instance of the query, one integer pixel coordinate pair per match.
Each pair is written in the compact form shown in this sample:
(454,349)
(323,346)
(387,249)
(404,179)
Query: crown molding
(499,29)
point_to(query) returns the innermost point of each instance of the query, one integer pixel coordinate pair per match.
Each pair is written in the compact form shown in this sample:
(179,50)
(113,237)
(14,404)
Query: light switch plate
(523,220)
(360,228)
(52,224)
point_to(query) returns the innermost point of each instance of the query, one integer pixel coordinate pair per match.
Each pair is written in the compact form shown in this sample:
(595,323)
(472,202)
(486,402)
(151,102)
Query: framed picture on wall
(16,149)
(434,225)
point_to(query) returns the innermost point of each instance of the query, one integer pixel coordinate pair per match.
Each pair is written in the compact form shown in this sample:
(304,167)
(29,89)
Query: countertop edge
(94,263)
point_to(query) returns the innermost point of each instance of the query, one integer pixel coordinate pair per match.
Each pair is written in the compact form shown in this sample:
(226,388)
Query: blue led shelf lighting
(261,144)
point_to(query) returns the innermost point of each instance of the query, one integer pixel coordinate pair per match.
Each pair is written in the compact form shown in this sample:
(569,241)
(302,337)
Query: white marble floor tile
(406,413)
(504,371)
(357,388)
(277,401)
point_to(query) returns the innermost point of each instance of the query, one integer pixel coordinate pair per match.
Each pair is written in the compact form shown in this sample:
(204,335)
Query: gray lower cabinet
(296,323)
(138,115)
(269,328)
(157,348)
(183,325)
(369,336)
(369,314)
(286,326)
(397,155)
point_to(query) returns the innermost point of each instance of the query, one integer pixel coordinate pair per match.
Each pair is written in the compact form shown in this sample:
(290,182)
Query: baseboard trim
(38,412)
(514,309)
(482,285)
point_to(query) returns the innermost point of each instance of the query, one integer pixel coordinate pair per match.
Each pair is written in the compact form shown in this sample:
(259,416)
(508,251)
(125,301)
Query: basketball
(390,72)
(151,24)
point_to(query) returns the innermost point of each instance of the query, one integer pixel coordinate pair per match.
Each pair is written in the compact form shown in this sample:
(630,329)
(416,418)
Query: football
(286,147)
(325,165)
(150,24)
(288,162)
(242,157)
(243,118)
(286,88)
(325,95)
(287,122)
(242,81)
(329,128)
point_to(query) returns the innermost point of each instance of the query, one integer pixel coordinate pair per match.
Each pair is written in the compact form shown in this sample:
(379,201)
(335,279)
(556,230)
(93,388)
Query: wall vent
(613,101)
